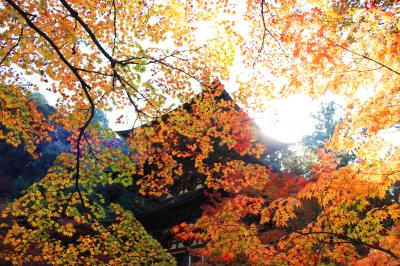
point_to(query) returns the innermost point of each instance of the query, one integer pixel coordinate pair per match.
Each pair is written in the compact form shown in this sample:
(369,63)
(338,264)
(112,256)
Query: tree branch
(265,31)
(344,237)
(364,56)
(12,48)
(84,85)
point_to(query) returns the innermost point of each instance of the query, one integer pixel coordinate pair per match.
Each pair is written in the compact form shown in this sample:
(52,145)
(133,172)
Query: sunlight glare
(288,120)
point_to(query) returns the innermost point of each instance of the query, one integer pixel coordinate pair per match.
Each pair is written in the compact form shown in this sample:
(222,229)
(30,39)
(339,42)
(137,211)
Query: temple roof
(272,145)
(185,203)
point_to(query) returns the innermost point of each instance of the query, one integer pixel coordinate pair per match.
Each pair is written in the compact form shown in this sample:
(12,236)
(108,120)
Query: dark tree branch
(85,88)
(185,73)
(364,56)
(114,61)
(124,81)
(138,111)
(173,54)
(25,16)
(319,253)
(91,149)
(265,31)
(92,36)
(358,70)
(94,72)
(12,48)
(353,241)
(114,25)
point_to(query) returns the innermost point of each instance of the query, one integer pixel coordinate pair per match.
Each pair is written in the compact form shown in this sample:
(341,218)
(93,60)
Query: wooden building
(187,194)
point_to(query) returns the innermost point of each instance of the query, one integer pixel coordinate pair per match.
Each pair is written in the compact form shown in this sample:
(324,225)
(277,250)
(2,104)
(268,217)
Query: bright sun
(288,120)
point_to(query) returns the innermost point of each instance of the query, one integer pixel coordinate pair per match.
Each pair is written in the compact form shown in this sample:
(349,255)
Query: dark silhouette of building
(188,193)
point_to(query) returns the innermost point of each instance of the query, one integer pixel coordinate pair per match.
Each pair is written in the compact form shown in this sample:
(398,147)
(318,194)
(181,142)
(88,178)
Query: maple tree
(345,215)
(111,54)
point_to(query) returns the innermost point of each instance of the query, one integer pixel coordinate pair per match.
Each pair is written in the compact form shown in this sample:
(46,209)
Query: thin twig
(114,26)
(90,148)
(364,56)
(85,87)
(265,31)
(12,48)
(345,237)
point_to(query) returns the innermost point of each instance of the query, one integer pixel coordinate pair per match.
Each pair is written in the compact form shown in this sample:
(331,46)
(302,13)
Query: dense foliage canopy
(102,55)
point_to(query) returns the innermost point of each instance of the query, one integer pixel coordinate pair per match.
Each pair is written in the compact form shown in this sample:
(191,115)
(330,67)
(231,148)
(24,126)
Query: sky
(287,120)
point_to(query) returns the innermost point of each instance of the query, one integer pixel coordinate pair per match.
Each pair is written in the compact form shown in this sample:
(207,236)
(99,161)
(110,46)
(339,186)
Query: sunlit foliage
(148,54)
